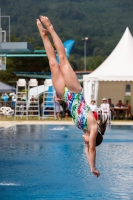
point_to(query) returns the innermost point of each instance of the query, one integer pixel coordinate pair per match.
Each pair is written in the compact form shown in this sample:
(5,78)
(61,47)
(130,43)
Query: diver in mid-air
(68,88)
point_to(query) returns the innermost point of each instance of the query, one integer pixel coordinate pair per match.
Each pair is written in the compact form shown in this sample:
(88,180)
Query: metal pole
(0,27)
(0,17)
(9,26)
(85,55)
(9,29)
(85,39)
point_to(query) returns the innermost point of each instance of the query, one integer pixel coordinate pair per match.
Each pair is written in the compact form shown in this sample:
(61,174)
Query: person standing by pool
(5,98)
(68,88)
(57,106)
(93,108)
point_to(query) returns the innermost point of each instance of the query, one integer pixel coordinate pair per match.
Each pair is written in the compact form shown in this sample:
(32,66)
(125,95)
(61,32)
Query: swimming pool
(48,162)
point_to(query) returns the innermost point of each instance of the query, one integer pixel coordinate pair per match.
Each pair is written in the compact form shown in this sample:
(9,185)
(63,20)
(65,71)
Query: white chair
(33,83)
(2,110)
(9,111)
(107,115)
(21,82)
(110,117)
(6,111)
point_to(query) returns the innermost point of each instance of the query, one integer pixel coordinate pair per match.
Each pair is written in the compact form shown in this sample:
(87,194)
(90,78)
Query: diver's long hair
(101,130)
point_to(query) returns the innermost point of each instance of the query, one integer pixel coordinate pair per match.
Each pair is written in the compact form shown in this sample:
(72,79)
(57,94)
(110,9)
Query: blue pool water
(48,162)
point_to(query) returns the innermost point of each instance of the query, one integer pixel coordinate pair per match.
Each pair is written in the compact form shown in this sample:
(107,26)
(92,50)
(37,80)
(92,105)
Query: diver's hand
(95,172)
(86,139)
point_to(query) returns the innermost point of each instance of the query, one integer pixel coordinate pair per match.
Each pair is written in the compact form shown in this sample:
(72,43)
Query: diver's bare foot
(41,29)
(46,22)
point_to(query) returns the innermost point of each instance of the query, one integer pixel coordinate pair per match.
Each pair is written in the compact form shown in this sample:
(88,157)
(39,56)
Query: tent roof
(119,65)
(6,88)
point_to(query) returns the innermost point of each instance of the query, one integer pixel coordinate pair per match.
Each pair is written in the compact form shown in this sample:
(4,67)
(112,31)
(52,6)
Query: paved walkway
(11,123)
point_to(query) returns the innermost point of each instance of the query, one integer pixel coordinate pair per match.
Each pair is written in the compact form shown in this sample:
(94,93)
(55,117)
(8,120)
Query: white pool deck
(12,123)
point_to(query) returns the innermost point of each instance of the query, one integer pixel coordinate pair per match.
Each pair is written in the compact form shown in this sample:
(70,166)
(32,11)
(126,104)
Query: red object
(95,115)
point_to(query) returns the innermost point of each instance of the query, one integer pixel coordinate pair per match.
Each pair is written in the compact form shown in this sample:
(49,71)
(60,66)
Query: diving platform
(15,47)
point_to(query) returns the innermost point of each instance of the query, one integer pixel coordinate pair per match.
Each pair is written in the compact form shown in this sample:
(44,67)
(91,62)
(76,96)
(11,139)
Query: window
(128,88)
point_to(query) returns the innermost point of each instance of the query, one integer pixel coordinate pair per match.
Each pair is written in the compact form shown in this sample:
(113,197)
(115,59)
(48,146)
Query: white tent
(111,77)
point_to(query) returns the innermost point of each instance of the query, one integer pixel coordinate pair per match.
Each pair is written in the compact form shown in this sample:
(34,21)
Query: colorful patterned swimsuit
(78,107)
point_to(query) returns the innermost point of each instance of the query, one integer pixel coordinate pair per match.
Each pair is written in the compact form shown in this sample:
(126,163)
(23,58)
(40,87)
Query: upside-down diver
(68,88)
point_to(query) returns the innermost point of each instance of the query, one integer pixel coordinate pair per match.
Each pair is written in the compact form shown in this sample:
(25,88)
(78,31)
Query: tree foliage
(103,22)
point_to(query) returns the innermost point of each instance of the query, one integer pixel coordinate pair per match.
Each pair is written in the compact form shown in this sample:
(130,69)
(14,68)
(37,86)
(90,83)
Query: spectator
(111,107)
(67,112)
(110,103)
(120,111)
(24,97)
(32,103)
(128,112)
(93,108)
(14,97)
(42,107)
(57,106)
(4,98)
(105,109)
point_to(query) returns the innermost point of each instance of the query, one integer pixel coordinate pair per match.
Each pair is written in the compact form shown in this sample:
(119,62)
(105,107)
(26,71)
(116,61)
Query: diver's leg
(57,78)
(69,75)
